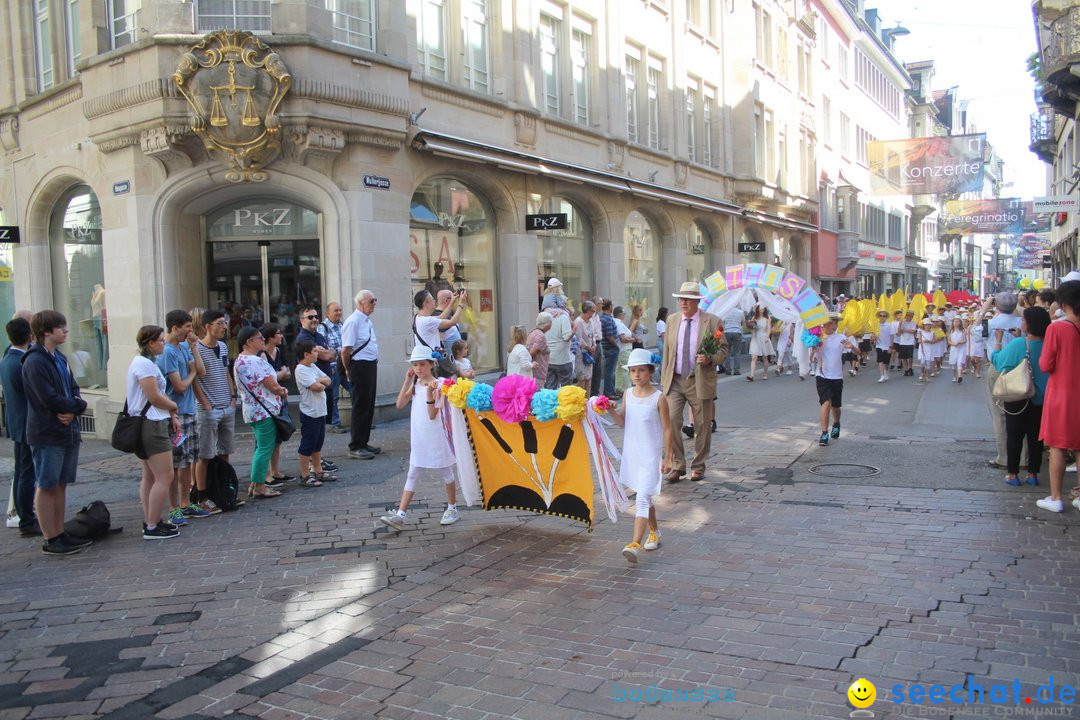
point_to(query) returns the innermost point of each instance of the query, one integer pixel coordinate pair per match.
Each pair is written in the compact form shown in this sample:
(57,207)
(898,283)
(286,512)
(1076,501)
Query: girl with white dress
(430,448)
(761,347)
(925,336)
(958,344)
(977,344)
(646,448)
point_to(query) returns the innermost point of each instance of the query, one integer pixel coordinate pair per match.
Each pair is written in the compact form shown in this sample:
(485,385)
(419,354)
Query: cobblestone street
(773,589)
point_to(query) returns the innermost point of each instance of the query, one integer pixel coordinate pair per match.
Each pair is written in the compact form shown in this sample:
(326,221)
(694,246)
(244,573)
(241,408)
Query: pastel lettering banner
(926,166)
(770,279)
(754,272)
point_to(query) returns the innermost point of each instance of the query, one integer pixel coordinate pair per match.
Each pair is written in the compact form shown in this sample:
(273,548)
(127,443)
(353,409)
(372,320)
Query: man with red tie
(689,378)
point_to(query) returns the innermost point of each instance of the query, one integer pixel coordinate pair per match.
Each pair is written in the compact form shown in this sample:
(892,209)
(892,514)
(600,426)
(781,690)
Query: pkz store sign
(9,233)
(546,221)
(260,222)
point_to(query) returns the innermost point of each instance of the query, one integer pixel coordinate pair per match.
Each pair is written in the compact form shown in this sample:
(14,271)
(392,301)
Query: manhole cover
(286,595)
(845,470)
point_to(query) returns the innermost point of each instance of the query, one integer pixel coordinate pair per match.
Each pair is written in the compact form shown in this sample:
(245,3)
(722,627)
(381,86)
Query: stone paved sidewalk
(772,587)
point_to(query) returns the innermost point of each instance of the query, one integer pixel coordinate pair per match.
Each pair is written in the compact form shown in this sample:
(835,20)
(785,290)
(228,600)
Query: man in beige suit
(689,378)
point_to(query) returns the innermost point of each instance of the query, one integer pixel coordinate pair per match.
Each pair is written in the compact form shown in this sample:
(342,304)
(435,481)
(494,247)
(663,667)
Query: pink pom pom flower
(512,398)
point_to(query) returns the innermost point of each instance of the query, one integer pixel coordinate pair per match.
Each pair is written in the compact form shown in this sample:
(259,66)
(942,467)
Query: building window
(783,68)
(452,236)
(873,81)
(691,118)
(431,38)
(633,67)
(826,120)
(759,141)
(697,254)
(862,143)
(770,147)
(842,61)
(123,29)
(642,261)
(806,161)
(250,15)
(782,174)
(763,26)
(655,83)
(74,46)
(565,254)
(896,231)
(845,135)
(580,45)
(806,70)
(353,22)
(708,157)
(43,43)
(700,13)
(474,43)
(549,62)
(78,280)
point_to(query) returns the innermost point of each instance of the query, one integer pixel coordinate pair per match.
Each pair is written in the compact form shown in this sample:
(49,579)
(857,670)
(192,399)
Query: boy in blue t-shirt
(181,364)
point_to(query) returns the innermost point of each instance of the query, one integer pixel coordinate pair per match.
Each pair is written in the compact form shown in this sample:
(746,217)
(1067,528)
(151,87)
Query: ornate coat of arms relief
(234,85)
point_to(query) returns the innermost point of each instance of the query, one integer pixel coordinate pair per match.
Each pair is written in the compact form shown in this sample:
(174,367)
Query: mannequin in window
(101,328)
(437,281)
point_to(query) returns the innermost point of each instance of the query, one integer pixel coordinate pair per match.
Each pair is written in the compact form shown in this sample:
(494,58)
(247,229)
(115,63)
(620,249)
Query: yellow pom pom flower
(458,393)
(572,401)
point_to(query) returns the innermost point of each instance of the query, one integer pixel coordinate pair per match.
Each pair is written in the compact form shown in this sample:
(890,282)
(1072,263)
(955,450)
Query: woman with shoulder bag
(146,385)
(1061,412)
(262,399)
(1023,418)
(274,355)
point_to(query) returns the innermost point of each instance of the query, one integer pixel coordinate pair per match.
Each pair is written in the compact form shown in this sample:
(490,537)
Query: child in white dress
(430,448)
(927,352)
(958,345)
(646,448)
(460,351)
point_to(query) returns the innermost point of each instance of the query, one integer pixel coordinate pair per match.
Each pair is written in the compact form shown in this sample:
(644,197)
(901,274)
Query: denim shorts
(312,435)
(216,430)
(54,465)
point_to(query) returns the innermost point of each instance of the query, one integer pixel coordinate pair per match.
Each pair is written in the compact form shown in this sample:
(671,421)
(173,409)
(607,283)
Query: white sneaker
(652,540)
(450,516)
(1071,468)
(1052,505)
(393,521)
(881,379)
(1076,503)
(788,372)
(630,552)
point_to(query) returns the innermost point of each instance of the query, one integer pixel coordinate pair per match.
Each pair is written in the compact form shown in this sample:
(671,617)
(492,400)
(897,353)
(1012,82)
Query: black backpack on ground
(222,485)
(93,522)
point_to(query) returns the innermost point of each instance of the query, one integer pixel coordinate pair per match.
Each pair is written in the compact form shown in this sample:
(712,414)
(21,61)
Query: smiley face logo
(862,693)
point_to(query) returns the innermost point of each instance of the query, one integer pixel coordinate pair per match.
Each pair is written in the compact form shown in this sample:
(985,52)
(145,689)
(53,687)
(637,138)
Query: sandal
(749,379)
(310,481)
(266,493)
(282,478)
(326,477)
(1074,493)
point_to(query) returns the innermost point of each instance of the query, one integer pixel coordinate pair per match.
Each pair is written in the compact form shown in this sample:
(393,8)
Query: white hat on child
(421,352)
(638,357)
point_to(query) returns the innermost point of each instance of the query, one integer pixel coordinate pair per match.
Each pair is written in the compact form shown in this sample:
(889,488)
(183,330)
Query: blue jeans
(734,341)
(55,465)
(23,480)
(611,359)
(337,381)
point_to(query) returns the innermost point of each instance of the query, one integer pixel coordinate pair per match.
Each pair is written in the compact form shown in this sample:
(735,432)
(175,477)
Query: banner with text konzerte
(926,166)
(984,215)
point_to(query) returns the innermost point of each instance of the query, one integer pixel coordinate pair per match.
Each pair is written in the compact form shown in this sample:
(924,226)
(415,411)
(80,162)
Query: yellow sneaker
(630,552)
(652,541)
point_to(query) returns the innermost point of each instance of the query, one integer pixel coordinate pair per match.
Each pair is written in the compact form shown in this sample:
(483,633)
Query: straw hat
(421,352)
(639,357)
(835,317)
(688,290)
(927,321)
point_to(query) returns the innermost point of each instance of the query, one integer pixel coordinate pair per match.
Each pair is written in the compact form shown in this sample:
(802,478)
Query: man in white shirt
(360,358)
(830,376)
(906,331)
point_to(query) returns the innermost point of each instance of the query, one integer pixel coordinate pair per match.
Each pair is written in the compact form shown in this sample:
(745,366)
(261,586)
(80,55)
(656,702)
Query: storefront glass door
(258,281)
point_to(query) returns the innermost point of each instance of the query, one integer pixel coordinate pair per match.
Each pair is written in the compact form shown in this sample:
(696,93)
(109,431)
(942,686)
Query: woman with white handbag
(1023,417)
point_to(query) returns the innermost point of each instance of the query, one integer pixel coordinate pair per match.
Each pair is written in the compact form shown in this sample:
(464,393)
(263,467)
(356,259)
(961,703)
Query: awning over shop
(450,146)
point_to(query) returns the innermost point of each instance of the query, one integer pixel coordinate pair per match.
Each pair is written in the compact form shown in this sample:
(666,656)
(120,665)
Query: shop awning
(450,146)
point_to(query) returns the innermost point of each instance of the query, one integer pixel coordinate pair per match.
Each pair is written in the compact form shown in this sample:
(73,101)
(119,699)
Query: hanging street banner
(1036,221)
(1029,250)
(1056,203)
(983,215)
(927,166)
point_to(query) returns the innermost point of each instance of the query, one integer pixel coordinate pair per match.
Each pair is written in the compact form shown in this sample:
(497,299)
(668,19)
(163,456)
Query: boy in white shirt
(312,383)
(830,376)
(884,344)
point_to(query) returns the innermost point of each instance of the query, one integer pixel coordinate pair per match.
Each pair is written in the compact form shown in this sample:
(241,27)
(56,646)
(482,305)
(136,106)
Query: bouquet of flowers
(710,344)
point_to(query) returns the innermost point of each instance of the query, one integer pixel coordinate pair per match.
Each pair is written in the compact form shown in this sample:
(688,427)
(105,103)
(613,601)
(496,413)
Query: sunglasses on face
(311,317)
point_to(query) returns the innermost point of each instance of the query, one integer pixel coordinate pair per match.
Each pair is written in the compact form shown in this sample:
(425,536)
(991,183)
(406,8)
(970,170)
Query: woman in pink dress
(1061,411)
